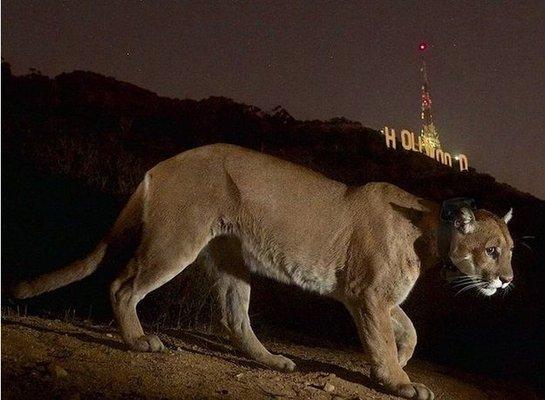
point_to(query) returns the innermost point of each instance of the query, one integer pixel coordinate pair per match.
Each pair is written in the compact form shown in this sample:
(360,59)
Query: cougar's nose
(506,280)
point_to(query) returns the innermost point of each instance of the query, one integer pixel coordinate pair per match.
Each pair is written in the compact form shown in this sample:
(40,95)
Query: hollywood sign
(410,142)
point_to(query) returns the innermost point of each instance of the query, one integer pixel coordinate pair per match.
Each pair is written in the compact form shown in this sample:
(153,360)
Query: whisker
(463,284)
(454,284)
(464,278)
(464,289)
(463,281)
(471,286)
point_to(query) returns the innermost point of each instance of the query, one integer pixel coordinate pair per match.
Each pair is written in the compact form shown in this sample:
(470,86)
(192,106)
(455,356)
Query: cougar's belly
(275,264)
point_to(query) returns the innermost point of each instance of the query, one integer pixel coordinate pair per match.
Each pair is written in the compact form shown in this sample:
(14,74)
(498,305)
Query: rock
(328,387)
(238,376)
(277,391)
(109,335)
(56,371)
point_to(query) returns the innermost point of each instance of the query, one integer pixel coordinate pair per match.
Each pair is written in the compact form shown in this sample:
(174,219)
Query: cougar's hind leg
(126,291)
(153,265)
(233,289)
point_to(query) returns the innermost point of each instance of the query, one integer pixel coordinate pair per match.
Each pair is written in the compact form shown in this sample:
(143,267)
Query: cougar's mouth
(487,290)
(493,286)
(463,282)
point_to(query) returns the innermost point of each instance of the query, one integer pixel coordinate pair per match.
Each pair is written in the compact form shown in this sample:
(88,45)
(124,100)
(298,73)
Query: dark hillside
(75,147)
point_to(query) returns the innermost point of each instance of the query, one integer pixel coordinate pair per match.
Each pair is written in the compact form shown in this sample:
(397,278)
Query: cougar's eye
(492,252)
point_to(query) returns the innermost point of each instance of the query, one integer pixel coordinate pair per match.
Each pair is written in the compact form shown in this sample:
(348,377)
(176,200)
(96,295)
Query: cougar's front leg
(405,335)
(374,324)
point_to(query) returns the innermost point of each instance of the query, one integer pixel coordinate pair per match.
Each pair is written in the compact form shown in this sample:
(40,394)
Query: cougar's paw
(280,363)
(148,343)
(415,391)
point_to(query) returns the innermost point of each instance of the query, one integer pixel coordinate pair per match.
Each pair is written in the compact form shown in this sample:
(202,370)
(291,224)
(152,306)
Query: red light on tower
(423,46)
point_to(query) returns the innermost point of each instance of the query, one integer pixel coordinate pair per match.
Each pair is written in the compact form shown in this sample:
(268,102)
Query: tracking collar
(450,207)
(449,211)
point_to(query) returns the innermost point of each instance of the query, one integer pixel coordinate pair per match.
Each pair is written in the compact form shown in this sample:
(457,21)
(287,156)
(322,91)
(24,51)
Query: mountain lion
(250,212)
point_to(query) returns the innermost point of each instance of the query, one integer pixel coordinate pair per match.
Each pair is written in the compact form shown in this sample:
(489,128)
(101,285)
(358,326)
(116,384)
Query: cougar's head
(481,248)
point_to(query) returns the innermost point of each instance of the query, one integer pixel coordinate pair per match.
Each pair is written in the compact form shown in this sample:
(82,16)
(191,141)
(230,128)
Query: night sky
(319,60)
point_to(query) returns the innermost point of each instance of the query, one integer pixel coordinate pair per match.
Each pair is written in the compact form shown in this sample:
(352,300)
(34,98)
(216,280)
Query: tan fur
(244,212)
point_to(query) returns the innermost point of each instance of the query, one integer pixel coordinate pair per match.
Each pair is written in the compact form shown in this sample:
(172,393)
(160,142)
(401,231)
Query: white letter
(447,159)
(464,163)
(439,156)
(390,136)
(406,139)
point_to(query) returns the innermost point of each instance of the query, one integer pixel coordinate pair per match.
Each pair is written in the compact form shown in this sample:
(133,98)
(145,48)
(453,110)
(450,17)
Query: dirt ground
(43,359)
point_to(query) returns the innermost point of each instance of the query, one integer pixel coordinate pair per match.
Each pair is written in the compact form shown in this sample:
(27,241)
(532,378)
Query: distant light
(456,157)
(423,46)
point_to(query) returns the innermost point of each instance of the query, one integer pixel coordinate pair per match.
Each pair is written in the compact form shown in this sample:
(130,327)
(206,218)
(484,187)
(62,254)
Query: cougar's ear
(507,217)
(465,220)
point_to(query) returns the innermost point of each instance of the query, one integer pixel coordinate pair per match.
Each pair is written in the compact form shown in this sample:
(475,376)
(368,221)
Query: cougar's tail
(129,220)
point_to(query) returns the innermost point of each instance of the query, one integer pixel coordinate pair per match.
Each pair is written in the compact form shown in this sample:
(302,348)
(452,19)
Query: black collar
(450,207)
(449,211)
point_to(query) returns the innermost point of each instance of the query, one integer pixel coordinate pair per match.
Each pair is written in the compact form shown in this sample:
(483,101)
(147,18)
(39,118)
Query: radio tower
(428,135)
